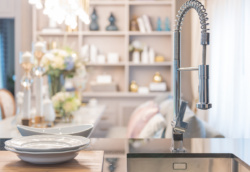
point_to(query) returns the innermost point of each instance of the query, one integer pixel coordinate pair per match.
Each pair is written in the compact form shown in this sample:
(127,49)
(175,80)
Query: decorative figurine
(93,24)
(167,24)
(27,62)
(159,28)
(133,87)
(111,26)
(157,77)
(39,51)
(134,24)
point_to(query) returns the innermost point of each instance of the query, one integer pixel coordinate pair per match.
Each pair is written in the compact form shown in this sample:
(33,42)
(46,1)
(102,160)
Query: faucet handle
(180,125)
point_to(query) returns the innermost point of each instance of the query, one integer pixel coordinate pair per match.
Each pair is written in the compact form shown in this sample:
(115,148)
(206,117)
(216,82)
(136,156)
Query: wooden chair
(1,112)
(7,104)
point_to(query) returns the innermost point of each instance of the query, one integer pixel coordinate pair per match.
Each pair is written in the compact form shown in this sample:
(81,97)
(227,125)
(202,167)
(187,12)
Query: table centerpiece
(59,64)
(65,104)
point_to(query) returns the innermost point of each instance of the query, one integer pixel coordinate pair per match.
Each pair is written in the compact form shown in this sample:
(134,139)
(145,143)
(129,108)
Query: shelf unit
(118,41)
(122,94)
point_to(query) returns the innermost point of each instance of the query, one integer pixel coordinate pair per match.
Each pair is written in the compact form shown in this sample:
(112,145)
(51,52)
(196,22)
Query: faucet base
(177,147)
(177,143)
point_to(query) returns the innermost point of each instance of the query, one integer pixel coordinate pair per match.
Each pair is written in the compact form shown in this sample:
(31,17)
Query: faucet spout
(203,70)
(203,88)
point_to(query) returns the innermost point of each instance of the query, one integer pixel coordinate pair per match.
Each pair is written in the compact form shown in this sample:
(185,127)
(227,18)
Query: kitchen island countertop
(116,150)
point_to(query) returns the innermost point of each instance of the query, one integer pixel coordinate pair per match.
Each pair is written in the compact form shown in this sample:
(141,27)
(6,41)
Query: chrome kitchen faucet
(179,127)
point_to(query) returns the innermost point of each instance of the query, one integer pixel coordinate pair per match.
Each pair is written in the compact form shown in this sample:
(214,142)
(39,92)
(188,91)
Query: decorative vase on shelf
(93,24)
(136,57)
(111,26)
(159,28)
(134,24)
(167,24)
(144,55)
(56,84)
(157,77)
(133,87)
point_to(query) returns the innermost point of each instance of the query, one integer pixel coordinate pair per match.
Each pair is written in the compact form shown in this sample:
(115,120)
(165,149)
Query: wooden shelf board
(58,34)
(150,3)
(167,63)
(121,94)
(99,2)
(84,33)
(105,64)
(94,2)
(153,33)
(103,33)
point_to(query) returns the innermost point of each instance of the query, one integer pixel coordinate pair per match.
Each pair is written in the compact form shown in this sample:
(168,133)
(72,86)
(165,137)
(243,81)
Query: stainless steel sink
(187,162)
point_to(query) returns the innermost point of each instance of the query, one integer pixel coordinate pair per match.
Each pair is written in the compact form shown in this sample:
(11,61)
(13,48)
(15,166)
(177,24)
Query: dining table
(84,115)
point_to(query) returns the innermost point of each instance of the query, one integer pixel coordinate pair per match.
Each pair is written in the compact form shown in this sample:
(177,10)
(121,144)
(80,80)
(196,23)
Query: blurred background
(126,48)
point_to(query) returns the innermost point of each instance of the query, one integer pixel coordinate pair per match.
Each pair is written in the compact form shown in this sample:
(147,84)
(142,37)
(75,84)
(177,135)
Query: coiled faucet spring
(179,127)
(200,10)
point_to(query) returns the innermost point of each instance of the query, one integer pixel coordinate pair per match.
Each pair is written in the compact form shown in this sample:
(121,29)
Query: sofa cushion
(140,118)
(154,127)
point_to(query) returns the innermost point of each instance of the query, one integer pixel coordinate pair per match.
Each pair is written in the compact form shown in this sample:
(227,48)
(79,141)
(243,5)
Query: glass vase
(56,84)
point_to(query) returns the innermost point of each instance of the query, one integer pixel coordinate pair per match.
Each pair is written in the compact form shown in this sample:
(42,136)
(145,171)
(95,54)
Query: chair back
(7,104)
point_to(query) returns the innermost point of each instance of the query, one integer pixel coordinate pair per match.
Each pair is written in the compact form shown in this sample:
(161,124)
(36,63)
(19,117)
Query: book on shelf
(147,24)
(141,25)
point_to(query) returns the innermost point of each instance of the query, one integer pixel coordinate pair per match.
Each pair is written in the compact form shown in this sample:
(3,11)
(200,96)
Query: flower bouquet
(59,64)
(65,104)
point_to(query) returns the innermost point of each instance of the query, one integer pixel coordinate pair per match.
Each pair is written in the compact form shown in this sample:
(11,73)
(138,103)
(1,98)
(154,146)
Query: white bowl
(45,143)
(46,157)
(80,130)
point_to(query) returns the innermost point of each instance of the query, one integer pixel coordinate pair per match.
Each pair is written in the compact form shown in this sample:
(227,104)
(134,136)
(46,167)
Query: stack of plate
(47,149)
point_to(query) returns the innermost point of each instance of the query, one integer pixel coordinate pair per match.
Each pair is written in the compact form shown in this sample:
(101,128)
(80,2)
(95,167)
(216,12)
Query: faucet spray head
(204,88)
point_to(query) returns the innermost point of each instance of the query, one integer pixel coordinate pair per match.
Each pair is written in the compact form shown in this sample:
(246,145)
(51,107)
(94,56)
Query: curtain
(230,67)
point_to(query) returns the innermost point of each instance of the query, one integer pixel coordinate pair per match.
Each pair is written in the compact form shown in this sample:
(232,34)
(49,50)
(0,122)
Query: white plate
(80,130)
(46,157)
(47,143)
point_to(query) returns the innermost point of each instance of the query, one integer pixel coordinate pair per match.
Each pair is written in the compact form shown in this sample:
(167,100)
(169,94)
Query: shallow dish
(47,143)
(80,130)
(46,157)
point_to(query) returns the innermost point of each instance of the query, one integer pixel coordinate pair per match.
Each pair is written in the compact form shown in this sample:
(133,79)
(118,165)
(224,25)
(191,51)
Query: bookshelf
(118,41)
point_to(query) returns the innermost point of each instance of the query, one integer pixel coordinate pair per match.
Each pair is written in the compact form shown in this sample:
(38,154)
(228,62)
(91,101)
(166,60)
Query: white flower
(58,63)
(137,45)
(74,56)
(46,60)
(66,102)
(63,53)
